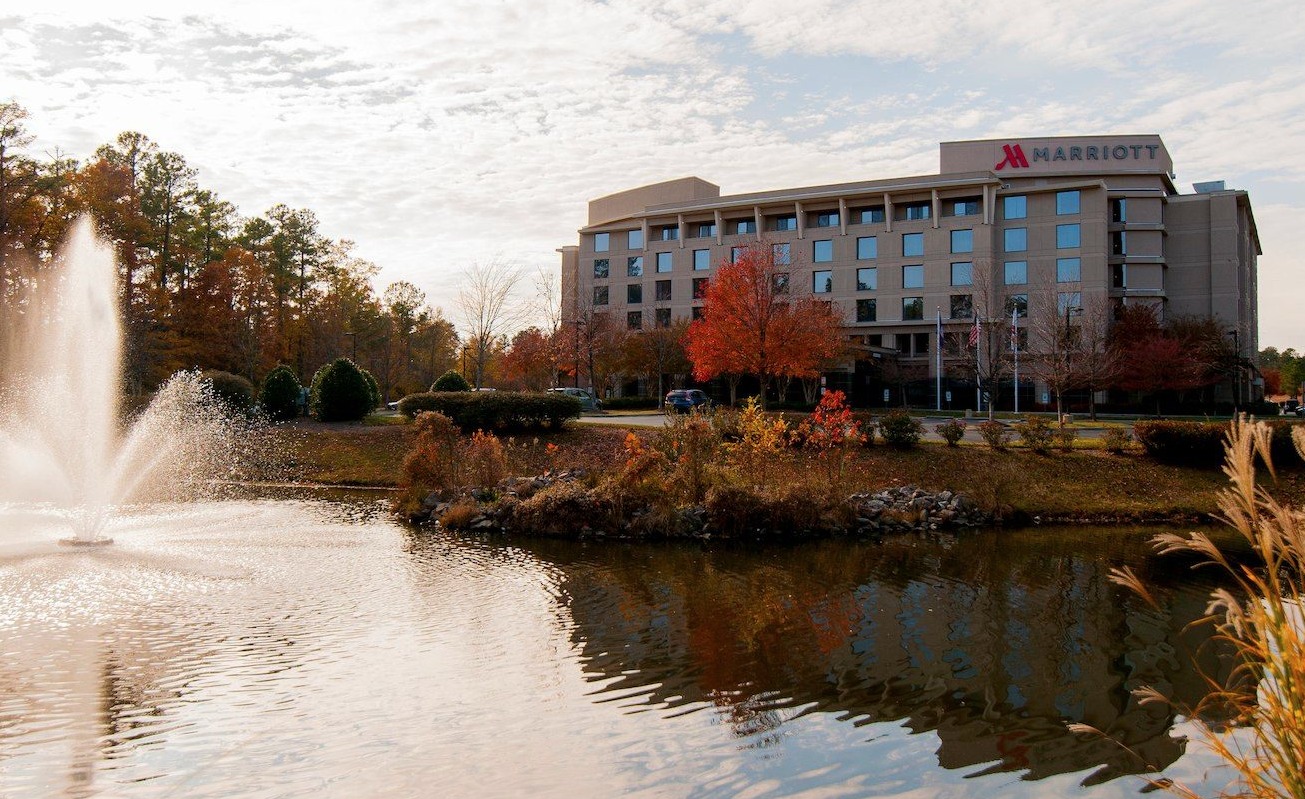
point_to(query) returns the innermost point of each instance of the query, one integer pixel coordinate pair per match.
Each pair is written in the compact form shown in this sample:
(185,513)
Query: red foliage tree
(751,325)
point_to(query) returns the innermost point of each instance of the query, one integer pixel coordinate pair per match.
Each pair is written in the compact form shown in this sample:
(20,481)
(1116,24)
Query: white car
(588,402)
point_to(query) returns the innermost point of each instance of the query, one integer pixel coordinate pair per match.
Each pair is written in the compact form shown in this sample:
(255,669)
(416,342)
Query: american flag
(974,333)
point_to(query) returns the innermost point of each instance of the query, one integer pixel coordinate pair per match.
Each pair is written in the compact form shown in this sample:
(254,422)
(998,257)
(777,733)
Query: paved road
(930,422)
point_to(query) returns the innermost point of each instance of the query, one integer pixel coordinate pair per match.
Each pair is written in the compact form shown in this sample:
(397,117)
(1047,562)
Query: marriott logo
(1013,156)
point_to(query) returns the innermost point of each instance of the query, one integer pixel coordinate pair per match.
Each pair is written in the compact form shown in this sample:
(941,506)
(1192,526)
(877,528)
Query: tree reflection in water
(992,641)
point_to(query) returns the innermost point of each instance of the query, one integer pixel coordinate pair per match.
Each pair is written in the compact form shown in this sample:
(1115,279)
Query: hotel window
(735,252)
(912,308)
(1018,304)
(699,287)
(1067,202)
(866,311)
(662,318)
(634,320)
(634,294)
(663,262)
(601,267)
(786,222)
(634,240)
(912,244)
(706,230)
(1017,273)
(1119,210)
(781,254)
(1068,302)
(701,260)
(902,343)
(822,282)
(1118,243)
(1016,239)
(827,219)
(670,233)
(634,266)
(696,313)
(779,281)
(1119,276)
(600,295)
(867,279)
(745,226)
(1067,236)
(920,343)
(875,340)
(602,242)
(867,247)
(913,276)
(1068,270)
(963,274)
(822,251)
(872,215)
(1015,206)
(966,207)
(663,288)
(962,306)
(962,241)
(917,211)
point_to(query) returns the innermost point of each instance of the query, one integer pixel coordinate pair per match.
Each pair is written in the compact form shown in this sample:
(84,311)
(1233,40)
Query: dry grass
(1262,620)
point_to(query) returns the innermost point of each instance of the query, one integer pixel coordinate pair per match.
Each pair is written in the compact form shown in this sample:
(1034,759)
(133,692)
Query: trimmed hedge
(630,403)
(340,393)
(451,381)
(1202,443)
(236,392)
(495,410)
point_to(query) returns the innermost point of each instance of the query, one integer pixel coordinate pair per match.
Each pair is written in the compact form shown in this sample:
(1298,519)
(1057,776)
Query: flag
(974,333)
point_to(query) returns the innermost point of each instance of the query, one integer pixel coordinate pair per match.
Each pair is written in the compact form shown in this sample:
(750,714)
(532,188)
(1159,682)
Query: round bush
(280,394)
(900,429)
(233,390)
(451,381)
(373,387)
(340,393)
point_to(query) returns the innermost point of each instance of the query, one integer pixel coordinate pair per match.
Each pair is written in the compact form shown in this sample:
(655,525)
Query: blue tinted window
(912,244)
(822,251)
(1067,236)
(962,241)
(1016,239)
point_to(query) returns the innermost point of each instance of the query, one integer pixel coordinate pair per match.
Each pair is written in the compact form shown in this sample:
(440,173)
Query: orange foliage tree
(752,325)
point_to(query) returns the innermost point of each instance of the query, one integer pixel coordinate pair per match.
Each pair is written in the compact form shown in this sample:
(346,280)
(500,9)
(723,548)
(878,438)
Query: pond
(317,648)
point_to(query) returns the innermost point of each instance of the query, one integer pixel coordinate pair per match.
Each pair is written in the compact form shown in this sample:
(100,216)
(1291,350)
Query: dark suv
(685,400)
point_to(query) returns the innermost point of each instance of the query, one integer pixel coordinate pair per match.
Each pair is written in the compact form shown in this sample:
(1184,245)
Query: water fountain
(62,439)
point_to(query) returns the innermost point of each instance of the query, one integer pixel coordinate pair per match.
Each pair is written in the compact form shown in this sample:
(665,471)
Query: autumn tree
(528,363)
(655,353)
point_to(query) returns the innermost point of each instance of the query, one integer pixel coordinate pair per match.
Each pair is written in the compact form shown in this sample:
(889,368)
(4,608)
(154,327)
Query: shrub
(734,511)
(280,394)
(483,456)
(833,432)
(1036,434)
(1183,443)
(630,403)
(900,429)
(496,411)
(562,509)
(1065,437)
(690,444)
(451,381)
(1116,440)
(995,434)
(762,444)
(1280,442)
(234,391)
(340,393)
(435,461)
(951,431)
(867,422)
(373,389)
(459,515)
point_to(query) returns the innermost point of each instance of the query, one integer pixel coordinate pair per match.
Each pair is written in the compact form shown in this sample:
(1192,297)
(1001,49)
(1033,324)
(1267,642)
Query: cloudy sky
(436,134)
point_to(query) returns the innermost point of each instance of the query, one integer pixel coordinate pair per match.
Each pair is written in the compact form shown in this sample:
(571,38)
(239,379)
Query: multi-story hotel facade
(1006,224)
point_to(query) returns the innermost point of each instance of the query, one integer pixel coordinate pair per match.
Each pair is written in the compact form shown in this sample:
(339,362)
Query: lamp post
(353,338)
(1060,393)
(1237,368)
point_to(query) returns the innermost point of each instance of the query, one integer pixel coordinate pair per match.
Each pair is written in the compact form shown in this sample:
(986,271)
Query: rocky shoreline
(560,505)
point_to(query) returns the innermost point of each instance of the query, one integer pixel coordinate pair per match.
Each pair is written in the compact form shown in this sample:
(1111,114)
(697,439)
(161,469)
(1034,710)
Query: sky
(440,134)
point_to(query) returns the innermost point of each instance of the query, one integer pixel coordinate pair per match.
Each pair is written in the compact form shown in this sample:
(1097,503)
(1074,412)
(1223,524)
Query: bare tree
(1054,337)
(548,302)
(1099,363)
(485,303)
(985,352)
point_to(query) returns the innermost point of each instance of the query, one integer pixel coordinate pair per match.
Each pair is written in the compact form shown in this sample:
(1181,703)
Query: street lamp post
(353,338)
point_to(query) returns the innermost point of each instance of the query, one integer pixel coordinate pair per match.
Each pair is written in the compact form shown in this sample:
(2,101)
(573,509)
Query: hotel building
(1080,222)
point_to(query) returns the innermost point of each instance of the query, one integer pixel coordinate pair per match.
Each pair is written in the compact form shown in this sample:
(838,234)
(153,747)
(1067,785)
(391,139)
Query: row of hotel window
(1013,207)
(1068,237)
(961,307)
(1014,273)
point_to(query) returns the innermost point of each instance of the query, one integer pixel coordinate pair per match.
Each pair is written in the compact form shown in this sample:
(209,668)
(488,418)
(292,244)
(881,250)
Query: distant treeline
(203,286)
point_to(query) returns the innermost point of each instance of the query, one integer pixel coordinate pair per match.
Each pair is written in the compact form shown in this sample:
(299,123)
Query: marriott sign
(1013,156)
(1095,155)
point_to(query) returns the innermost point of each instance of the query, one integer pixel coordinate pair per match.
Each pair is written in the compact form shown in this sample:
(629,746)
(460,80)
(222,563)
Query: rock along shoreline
(560,505)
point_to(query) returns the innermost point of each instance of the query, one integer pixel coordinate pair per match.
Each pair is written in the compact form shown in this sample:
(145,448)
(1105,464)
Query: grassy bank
(1085,484)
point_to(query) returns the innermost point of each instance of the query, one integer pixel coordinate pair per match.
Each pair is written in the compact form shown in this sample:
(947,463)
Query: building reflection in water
(994,642)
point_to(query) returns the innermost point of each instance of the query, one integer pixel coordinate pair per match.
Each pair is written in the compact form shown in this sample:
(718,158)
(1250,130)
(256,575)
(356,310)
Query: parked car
(588,402)
(685,400)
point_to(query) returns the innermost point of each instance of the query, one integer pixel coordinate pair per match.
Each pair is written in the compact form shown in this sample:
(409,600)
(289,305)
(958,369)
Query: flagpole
(937,380)
(978,364)
(1015,339)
